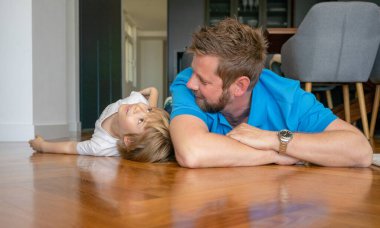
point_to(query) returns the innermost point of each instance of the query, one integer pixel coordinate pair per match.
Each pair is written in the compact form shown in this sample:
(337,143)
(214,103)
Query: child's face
(132,118)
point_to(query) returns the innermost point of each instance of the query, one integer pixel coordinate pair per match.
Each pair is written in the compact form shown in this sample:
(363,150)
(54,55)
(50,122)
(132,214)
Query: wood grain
(47,190)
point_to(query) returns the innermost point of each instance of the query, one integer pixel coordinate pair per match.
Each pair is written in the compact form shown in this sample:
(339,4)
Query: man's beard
(214,108)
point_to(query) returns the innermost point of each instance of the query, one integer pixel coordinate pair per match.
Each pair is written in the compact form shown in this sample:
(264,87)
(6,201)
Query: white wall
(151,65)
(49,68)
(72,64)
(16,109)
(37,79)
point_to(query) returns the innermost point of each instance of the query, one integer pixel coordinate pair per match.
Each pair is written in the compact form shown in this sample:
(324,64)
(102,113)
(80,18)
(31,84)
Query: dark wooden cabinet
(100,57)
(186,16)
(256,13)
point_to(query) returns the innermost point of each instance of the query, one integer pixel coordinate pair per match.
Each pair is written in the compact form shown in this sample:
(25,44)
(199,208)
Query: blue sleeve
(313,116)
(183,98)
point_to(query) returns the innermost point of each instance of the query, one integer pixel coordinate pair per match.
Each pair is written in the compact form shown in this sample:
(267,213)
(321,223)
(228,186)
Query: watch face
(286,134)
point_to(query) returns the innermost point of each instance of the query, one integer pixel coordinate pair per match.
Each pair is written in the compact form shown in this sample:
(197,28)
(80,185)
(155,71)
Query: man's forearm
(340,144)
(213,150)
(199,149)
(331,148)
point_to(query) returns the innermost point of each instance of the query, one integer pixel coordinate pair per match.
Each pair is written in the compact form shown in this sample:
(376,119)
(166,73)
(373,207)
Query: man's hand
(261,140)
(255,137)
(286,160)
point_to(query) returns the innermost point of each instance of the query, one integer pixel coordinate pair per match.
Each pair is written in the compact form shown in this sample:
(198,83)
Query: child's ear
(126,140)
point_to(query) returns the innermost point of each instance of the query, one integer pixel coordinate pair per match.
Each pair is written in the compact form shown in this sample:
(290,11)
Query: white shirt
(102,143)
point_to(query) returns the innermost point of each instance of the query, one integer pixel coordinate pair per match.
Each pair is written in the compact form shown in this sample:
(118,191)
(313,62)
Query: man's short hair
(240,48)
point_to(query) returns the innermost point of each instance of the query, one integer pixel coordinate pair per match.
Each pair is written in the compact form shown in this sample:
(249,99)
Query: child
(132,127)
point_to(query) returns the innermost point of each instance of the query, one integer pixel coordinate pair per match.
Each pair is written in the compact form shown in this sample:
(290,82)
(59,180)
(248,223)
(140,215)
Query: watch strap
(284,136)
(282,148)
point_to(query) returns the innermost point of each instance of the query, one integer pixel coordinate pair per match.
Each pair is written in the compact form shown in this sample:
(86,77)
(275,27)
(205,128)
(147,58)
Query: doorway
(100,57)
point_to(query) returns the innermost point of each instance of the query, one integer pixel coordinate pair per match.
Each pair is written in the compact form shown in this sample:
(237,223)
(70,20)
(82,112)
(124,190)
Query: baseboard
(75,126)
(53,131)
(16,132)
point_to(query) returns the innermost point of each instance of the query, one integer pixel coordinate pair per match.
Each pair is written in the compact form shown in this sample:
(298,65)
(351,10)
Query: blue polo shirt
(277,103)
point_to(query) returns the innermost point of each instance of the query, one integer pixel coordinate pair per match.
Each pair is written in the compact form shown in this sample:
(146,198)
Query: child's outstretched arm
(151,93)
(67,147)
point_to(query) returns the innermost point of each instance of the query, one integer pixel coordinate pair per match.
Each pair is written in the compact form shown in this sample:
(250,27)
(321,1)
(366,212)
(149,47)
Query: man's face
(207,85)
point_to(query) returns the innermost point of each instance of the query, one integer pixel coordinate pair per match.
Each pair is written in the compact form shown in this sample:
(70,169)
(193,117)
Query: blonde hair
(241,49)
(154,144)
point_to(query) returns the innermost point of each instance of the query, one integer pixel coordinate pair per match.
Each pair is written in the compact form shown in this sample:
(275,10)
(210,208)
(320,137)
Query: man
(229,111)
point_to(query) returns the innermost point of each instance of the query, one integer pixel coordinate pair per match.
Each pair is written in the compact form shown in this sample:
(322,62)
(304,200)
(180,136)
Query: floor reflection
(288,196)
(113,192)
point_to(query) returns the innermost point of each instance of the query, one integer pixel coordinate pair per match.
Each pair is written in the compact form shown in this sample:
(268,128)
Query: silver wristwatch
(285,136)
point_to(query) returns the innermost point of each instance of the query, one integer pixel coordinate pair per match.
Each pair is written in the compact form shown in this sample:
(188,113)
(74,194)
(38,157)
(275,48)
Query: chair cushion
(375,74)
(334,43)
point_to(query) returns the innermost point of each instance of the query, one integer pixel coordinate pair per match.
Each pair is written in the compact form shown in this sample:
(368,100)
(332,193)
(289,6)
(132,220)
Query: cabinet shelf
(257,13)
(277,10)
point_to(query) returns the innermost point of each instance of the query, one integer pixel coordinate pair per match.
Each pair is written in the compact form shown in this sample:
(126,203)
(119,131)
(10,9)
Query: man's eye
(149,110)
(203,81)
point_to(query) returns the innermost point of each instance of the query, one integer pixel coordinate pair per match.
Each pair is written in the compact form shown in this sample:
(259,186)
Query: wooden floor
(46,190)
(375,144)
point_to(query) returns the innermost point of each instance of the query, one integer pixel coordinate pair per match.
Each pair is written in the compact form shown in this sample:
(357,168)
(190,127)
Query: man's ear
(241,85)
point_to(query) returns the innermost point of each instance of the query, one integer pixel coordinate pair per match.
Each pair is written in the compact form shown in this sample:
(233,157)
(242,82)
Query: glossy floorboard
(376,144)
(46,190)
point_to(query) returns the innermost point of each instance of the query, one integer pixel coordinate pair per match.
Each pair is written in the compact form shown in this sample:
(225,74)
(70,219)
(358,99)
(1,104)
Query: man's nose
(192,83)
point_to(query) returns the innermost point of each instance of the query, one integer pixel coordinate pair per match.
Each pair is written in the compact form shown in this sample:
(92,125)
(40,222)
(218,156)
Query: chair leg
(375,109)
(318,96)
(329,99)
(346,101)
(363,112)
(308,86)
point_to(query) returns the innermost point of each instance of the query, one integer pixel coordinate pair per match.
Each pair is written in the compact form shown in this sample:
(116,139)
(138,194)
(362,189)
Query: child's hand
(151,94)
(36,144)
(147,91)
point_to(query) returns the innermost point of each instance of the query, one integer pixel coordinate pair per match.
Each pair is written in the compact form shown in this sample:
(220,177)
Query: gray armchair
(375,78)
(335,43)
